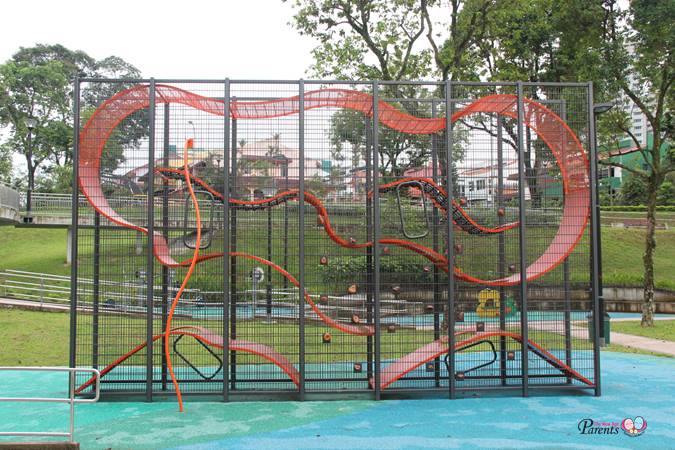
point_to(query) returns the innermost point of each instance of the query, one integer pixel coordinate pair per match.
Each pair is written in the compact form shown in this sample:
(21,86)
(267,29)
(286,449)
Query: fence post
(150,261)
(227,298)
(301,230)
(522,243)
(596,280)
(450,239)
(74,221)
(376,239)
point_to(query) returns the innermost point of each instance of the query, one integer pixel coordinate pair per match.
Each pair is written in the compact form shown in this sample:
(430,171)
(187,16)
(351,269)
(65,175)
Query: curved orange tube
(174,303)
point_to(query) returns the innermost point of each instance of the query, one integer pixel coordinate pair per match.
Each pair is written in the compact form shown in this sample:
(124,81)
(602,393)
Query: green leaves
(37,83)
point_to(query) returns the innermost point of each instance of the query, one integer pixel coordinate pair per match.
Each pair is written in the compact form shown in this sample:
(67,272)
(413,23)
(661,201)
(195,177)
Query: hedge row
(639,208)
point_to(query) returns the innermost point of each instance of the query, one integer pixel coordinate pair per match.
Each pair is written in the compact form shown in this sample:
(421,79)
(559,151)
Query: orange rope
(167,330)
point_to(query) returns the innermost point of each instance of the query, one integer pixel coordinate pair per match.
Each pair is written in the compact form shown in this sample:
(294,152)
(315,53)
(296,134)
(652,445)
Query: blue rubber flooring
(633,385)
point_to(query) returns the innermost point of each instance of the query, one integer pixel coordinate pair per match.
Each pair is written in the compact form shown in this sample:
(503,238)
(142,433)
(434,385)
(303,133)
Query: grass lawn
(34,250)
(41,338)
(662,329)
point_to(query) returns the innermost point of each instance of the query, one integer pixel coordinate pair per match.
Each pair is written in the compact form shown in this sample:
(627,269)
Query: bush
(636,208)
(349,269)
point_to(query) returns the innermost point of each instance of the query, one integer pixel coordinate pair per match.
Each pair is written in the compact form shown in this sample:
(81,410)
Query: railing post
(42,290)
(71,384)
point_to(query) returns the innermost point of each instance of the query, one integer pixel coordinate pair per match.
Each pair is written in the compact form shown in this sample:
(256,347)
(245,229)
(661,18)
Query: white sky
(167,39)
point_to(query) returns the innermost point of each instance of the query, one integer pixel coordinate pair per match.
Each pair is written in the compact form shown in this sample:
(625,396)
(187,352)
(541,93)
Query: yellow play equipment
(489,304)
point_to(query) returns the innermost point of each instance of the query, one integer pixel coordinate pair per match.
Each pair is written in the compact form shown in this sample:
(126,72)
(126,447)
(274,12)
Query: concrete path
(34,305)
(643,343)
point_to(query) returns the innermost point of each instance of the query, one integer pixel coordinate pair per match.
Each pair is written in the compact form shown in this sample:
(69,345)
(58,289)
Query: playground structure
(267,254)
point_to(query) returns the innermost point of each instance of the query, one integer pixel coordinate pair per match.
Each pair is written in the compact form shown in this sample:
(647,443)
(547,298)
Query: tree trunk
(648,258)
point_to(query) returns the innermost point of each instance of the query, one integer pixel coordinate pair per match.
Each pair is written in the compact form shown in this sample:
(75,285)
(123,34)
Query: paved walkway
(34,305)
(643,343)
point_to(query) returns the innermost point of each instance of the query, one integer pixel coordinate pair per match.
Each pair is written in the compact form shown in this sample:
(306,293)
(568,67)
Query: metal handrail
(70,399)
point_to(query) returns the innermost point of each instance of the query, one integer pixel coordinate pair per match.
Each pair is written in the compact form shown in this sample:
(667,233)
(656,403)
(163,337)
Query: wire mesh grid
(321,239)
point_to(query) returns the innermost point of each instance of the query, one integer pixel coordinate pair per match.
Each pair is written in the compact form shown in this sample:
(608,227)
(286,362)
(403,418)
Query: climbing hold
(396,290)
(427,269)
(323,261)
(429,308)
(323,298)
(353,289)
(511,356)
(459,248)
(501,212)
(358,367)
(352,241)
(459,316)
(356,319)
(326,337)
(512,268)
(391,328)
(480,326)
(430,367)
(459,376)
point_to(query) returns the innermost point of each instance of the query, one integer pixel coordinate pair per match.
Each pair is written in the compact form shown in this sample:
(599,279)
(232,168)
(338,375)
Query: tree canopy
(36,83)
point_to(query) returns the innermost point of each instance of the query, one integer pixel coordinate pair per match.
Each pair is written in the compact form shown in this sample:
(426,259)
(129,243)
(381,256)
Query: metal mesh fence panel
(287,238)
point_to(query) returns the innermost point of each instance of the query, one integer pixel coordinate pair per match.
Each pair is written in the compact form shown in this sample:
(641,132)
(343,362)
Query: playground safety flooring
(633,385)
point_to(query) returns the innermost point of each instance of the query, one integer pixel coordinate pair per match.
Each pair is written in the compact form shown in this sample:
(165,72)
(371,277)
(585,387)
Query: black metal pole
(450,238)
(74,215)
(286,163)
(369,250)
(595,243)
(566,282)
(501,245)
(522,243)
(435,245)
(96,288)
(31,175)
(226,239)
(150,270)
(301,233)
(268,290)
(376,238)
(165,234)
(233,260)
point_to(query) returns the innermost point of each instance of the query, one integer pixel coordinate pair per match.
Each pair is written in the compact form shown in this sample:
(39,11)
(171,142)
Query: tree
(36,83)
(633,192)
(538,41)
(638,54)
(666,194)
(5,163)
(392,40)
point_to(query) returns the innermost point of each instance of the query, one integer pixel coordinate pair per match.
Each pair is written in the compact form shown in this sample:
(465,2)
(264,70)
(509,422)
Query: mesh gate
(293,238)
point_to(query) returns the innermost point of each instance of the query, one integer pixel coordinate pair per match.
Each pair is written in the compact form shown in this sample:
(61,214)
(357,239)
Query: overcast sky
(167,39)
